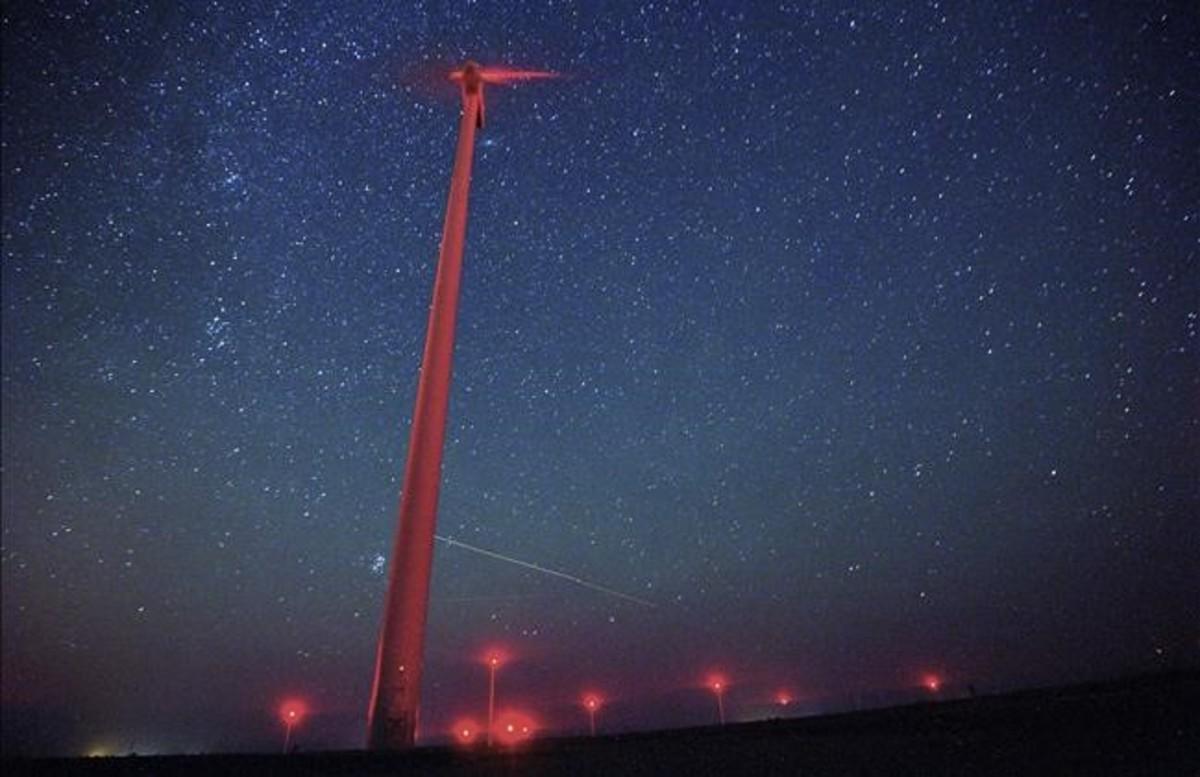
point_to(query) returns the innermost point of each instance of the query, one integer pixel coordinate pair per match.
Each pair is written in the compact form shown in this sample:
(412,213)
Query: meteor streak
(544,570)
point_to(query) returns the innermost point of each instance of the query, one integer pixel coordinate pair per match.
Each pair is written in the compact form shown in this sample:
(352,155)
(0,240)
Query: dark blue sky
(862,341)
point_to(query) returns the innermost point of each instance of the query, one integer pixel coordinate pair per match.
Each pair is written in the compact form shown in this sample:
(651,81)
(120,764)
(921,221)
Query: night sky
(864,344)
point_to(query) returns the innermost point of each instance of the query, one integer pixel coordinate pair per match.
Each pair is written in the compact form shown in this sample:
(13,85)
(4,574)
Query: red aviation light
(514,727)
(495,657)
(466,731)
(292,711)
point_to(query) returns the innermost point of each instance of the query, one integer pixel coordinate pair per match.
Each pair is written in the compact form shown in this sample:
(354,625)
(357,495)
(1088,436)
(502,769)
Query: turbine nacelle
(472,76)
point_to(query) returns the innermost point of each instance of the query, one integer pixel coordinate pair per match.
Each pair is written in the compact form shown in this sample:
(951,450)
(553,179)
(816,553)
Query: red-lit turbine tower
(395,693)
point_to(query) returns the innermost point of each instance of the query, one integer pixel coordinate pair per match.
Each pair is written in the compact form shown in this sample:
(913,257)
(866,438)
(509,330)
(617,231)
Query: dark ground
(1145,726)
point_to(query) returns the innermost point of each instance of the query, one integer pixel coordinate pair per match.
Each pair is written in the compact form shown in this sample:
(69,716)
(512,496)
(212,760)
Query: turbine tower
(396,690)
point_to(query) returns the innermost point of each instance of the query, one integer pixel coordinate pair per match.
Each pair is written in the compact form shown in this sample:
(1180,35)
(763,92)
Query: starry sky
(860,339)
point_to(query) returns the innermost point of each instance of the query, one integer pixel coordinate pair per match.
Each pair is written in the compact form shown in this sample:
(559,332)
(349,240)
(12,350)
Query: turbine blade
(504,75)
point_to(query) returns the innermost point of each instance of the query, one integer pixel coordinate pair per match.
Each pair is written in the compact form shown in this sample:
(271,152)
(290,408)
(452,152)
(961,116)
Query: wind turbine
(395,692)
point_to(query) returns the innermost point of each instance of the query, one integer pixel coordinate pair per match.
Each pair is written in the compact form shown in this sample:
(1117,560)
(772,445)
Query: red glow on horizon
(514,727)
(932,683)
(292,711)
(783,698)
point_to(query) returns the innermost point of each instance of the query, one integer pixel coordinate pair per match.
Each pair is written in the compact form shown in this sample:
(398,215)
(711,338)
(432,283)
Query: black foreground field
(1146,726)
